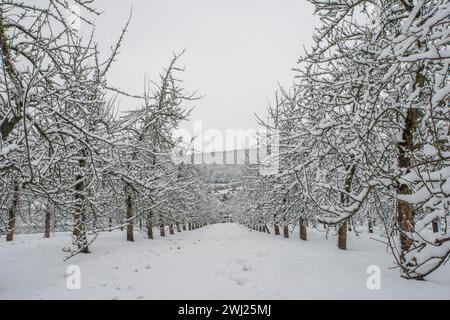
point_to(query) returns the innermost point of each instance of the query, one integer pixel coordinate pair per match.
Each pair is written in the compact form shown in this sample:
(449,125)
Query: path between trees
(223,261)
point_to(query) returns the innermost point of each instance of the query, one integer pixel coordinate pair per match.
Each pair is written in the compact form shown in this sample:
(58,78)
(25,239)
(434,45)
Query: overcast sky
(237,50)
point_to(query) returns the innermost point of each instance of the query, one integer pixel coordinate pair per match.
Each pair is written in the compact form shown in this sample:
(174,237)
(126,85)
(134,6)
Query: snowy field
(223,261)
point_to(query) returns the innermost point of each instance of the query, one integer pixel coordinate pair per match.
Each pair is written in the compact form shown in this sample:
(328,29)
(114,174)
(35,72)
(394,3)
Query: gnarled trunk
(405,210)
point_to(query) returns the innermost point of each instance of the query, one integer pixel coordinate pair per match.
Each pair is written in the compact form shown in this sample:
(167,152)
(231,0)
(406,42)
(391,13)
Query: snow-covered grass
(223,261)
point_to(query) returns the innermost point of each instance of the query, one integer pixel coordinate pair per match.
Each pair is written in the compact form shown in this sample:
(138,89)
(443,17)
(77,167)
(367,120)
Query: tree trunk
(435,225)
(149,225)
(342,236)
(303,235)
(184,227)
(370,226)
(8,122)
(162,230)
(149,230)
(47,222)
(190,226)
(277,230)
(79,231)
(13,213)
(342,231)
(178,227)
(405,218)
(286,231)
(405,210)
(130,236)
(171,229)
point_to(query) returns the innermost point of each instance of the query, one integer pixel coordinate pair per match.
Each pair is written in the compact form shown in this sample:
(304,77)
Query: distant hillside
(232,157)
(222,174)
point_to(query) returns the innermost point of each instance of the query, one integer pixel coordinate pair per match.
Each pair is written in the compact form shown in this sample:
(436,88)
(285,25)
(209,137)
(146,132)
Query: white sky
(237,50)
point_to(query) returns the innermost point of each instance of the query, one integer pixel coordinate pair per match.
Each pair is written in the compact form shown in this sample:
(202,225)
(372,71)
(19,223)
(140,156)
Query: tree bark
(286,231)
(178,227)
(47,222)
(277,230)
(8,123)
(435,225)
(342,231)
(130,236)
(342,236)
(303,235)
(171,229)
(405,210)
(162,230)
(370,224)
(13,213)
(149,224)
(149,229)
(79,231)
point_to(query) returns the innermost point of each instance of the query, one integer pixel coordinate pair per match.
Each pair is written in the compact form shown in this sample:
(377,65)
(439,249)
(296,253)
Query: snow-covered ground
(223,261)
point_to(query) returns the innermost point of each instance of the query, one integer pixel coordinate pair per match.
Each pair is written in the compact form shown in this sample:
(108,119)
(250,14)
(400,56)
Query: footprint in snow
(239,281)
